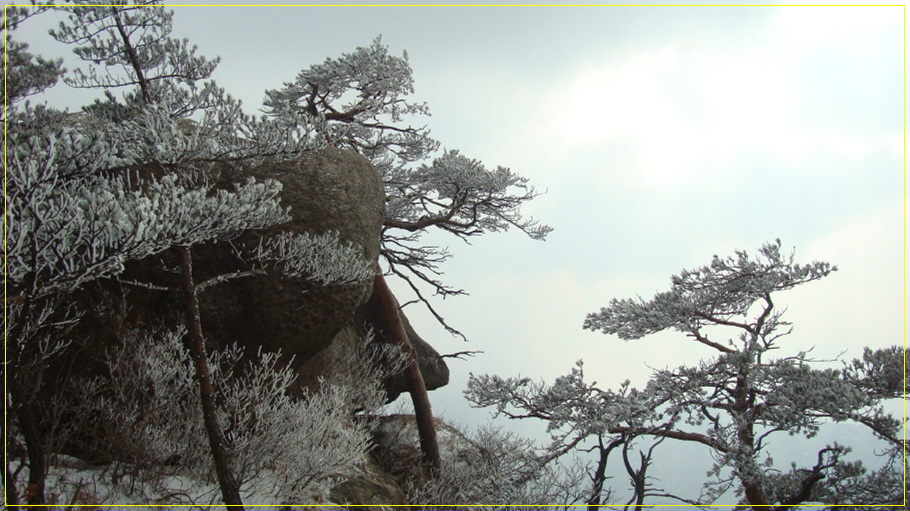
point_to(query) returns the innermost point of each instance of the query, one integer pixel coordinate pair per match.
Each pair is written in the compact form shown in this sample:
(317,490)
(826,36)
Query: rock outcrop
(328,190)
(433,368)
(319,326)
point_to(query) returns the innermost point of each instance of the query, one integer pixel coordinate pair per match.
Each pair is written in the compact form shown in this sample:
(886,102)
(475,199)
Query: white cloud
(852,147)
(631,100)
(689,110)
(750,102)
(679,109)
(604,101)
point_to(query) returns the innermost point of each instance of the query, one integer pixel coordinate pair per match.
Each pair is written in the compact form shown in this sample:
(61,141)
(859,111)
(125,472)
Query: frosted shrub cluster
(362,370)
(284,449)
(499,469)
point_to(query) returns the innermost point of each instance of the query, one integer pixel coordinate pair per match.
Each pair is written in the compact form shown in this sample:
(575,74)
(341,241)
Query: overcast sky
(661,135)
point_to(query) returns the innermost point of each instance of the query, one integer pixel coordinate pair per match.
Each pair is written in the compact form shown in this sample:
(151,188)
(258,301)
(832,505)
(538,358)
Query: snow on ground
(72,481)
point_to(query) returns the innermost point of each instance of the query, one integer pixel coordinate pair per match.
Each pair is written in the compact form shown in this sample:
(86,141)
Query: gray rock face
(327,190)
(331,190)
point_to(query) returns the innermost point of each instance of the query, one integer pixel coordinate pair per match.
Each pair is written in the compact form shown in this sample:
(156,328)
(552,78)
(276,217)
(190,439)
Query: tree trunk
(230,489)
(426,426)
(639,477)
(743,407)
(37,458)
(600,474)
(22,395)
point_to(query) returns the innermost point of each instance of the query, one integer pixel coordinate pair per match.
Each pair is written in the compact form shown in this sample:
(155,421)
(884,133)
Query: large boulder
(433,367)
(327,190)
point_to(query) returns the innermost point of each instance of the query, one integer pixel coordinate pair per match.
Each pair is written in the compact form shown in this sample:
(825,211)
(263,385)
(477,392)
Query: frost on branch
(321,258)
(63,233)
(711,295)
(880,372)
(25,74)
(580,417)
(498,469)
(461,196)
(358,100)
(151,57)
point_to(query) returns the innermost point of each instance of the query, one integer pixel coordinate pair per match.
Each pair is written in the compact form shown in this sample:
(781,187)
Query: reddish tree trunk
(230,489)
(426,426)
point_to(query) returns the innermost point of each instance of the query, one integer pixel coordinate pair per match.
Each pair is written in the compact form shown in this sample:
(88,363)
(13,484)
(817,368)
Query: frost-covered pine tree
(76,209)
(734,402)
(359,101)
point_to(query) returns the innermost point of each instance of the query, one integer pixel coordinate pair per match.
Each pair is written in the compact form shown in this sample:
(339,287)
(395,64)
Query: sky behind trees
(663,135)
